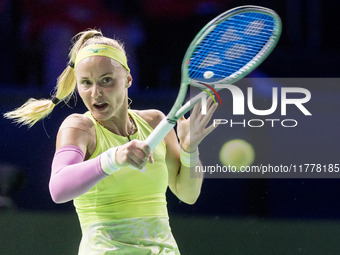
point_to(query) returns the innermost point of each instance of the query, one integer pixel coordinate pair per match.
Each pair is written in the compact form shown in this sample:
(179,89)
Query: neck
(122,125)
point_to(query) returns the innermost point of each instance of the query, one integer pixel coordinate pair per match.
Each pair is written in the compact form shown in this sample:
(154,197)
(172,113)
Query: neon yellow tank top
(127,193)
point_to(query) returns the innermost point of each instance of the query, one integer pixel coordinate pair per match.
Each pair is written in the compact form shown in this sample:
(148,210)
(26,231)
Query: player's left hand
(193,130)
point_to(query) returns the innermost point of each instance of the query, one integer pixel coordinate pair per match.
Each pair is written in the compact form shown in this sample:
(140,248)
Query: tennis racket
(225,50)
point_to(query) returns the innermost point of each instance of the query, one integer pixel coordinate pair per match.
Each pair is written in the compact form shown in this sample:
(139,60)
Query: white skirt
(141,236)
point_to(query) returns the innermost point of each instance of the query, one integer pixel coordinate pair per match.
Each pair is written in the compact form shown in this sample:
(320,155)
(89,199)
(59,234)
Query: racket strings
(238,49)
(233,54)
(233,45)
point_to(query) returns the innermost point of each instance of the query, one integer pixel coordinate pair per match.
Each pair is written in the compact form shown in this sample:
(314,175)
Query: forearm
(189,181)
(71,176)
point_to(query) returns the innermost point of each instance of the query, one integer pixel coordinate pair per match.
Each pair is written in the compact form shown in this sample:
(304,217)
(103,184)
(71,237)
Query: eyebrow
(103,75)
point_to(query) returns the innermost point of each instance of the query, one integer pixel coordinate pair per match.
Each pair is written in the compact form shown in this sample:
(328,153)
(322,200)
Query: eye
(86,82)
(106,80)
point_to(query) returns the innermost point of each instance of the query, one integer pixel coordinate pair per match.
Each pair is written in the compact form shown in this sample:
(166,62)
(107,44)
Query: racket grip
(158,134)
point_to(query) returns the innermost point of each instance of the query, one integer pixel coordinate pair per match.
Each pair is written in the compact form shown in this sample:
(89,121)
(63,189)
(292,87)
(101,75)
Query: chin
(102,116)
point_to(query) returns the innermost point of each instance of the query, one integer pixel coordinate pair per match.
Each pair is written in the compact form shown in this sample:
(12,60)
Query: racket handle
(158,134)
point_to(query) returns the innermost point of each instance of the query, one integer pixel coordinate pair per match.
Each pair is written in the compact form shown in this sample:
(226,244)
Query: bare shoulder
(78,130)
(152,116)
(78,121)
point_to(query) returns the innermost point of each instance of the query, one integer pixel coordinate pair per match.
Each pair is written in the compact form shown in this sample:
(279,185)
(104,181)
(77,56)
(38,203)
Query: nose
(96,91)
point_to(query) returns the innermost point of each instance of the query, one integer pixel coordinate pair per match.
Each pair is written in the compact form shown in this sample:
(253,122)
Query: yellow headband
(102,50)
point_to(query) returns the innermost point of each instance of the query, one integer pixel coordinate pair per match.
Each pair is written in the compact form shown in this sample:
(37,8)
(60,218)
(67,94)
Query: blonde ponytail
(34,110)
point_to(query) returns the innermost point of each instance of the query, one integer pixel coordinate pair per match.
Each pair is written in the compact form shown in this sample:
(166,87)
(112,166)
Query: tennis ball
(237,153)
(208,74)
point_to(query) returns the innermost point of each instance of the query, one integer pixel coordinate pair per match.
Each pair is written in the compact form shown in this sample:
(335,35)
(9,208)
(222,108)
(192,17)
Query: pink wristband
(72,176)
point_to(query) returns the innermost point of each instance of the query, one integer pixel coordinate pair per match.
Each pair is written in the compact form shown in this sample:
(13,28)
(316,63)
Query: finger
(211,103)
(141,155)
(120,155)
(210,128)
(151,159)
(141,146)
(182,118)
(132,154)
(146,150)
(211,100)
(137,163)
(211,109)
(207,117)
(196,110)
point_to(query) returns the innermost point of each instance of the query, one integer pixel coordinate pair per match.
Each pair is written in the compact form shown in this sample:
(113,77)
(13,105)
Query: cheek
(118,90)
(118,97)
(80,91)
(83,94)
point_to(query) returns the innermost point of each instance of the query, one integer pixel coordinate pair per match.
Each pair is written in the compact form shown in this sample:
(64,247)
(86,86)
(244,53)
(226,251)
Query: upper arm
(77,130)
(153,117)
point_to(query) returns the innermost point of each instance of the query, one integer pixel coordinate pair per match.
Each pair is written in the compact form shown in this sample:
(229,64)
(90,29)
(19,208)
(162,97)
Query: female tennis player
(102,162)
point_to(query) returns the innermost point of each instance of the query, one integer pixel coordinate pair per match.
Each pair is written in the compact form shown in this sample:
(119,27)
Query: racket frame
(177,111)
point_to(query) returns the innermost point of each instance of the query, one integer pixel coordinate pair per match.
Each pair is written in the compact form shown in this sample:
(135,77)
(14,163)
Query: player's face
(102,84)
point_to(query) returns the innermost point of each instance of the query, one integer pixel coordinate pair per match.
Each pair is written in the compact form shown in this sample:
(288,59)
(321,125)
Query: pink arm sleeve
(71,175)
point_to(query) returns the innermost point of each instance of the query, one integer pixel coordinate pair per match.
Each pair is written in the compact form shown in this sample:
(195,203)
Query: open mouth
(100,106)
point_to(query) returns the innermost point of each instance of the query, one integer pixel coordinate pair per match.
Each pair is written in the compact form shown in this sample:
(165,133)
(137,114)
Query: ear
(129,81)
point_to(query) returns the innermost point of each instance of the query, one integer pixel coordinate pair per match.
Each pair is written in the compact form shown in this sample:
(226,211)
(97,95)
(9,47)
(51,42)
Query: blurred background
(232,216)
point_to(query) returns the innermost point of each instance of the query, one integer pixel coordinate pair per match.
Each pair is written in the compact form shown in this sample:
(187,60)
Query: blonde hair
(34,110)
